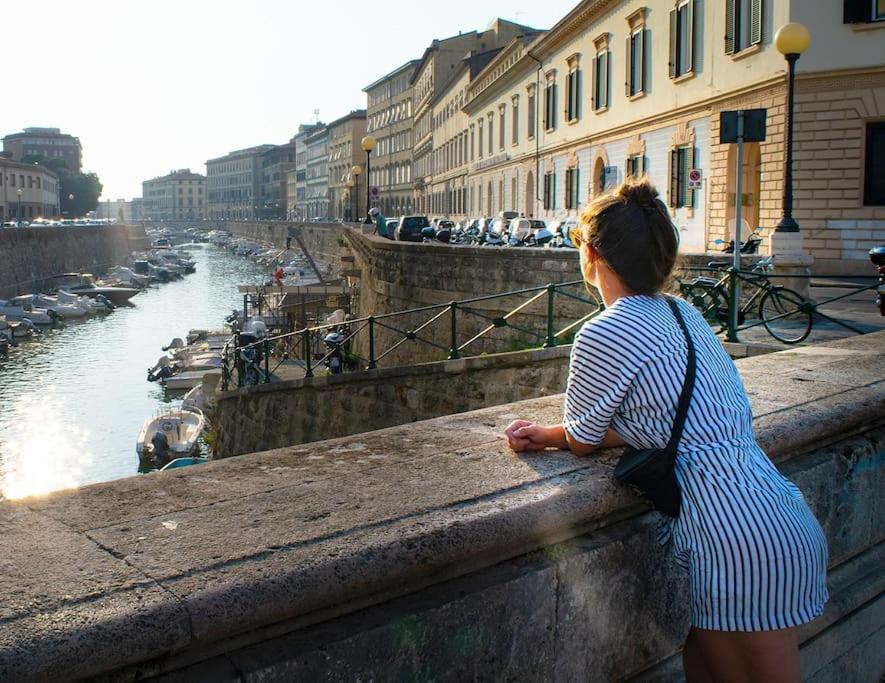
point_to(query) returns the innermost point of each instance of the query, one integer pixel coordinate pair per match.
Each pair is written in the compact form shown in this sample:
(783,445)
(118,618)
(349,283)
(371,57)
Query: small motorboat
(64,310)
(13,331)
(184,462)
(99,304)
(185,381)
(38,316)
(129,277)
(84,285)
(169,435)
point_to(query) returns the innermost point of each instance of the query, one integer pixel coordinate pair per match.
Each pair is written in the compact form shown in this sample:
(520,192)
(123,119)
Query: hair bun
(639,192)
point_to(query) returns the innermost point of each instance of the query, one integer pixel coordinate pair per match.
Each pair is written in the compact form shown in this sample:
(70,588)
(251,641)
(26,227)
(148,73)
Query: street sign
(375,192)
(695,179)
(754,125)
(611,178)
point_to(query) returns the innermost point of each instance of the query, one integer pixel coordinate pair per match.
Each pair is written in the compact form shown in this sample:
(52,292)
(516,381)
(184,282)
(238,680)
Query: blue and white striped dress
(755,553)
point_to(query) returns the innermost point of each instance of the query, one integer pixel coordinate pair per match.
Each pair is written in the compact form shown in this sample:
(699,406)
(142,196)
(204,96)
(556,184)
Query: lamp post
(349,192)
(19,193)
(356,171)
(368,144)
(791,41)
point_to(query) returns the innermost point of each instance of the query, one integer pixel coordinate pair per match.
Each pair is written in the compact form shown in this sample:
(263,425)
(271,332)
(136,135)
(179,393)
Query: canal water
(73,401)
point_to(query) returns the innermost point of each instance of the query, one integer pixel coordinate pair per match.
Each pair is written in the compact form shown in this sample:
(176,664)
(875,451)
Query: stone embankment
(430,551)
(31,257)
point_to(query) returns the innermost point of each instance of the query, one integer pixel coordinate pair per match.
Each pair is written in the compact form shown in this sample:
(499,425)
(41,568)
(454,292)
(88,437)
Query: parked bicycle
(786,314)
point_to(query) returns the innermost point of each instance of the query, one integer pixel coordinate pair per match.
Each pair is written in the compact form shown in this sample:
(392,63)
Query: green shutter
(553,190)
(640,58)
(856,11)
(674,177)
(576,183)
(690,8)
(756,22)
(606,66)
(673,43)
(730,26)
(593,98)
(628,83)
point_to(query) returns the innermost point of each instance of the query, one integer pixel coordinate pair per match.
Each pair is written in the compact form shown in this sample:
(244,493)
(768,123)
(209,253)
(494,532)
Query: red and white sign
(375,192)
(695,179)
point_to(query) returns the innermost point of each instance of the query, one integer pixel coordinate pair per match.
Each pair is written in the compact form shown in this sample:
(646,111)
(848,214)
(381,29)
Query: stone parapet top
(114,574)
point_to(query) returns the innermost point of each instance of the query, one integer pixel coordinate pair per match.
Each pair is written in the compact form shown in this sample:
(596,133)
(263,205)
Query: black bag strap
(687,385)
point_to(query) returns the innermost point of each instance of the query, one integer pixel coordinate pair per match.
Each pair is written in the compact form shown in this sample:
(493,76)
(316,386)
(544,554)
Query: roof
(9,163)
(355,114)
(411,64)
(248,151)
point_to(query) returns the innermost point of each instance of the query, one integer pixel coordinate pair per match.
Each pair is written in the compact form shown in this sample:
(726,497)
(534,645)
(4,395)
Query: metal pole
(368,183)
(266,361)
(734,289)
(551,334)
(787,224)
(372,363)
(453,349)
(305,338)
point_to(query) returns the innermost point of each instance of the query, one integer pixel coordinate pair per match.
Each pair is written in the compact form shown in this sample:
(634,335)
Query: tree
(85,187)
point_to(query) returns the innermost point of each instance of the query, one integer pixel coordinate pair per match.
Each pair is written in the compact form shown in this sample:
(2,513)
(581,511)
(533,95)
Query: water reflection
(73,401)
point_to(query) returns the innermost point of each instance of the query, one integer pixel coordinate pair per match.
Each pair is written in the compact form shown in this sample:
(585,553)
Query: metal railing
(381,336)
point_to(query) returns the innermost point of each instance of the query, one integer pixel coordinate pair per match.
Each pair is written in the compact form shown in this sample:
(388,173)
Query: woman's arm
(523,435)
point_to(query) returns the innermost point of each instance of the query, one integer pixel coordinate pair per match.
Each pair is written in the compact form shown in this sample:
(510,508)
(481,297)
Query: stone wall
(431,552)
(324,240)
(31,257)
(295,412)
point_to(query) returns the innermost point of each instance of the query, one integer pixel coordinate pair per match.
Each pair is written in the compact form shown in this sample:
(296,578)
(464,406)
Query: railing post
(305,339)
(733,305)
(372,363)
(225,369)
(551,333)
(266,360)
(238,362)
(453,349)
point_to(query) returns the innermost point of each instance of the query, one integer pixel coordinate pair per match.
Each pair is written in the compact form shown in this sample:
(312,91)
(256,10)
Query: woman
(755,554)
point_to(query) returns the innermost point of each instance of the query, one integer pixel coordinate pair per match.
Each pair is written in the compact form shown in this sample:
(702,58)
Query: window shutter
(553,191)
(640,58)
(568,183)
(730,26)
(627,169)
(674,177)
(641,164)
(628,83)
(756,22)
(595,82)
(690,37)
(689,161)
(856,11)
(577,95)
(576,185)
(606,67)
(673,29)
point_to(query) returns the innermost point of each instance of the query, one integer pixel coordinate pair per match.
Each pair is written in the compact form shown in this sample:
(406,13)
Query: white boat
(13,331)
(170,434)
(129,277)
(184,381)
(38,316)
(64,310)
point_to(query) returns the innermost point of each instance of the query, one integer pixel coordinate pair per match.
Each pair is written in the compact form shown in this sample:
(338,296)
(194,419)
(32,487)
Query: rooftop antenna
(316,115)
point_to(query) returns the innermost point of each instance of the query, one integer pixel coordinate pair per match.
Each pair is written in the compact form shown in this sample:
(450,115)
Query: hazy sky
(151,86)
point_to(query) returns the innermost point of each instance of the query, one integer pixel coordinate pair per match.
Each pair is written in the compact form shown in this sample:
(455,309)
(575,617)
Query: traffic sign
(695,179)
(375,192)
(754,125)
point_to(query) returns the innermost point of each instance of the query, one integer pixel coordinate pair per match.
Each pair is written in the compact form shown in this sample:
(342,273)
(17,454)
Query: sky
(155,85)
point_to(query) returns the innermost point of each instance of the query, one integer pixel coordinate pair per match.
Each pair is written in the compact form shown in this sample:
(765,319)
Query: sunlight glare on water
(72,402)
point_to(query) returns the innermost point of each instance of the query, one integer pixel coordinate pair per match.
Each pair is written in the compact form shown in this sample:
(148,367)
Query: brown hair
(633,233)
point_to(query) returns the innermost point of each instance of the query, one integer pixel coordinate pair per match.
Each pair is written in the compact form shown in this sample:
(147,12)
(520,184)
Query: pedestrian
(278,276)
(755,554)
(380,223)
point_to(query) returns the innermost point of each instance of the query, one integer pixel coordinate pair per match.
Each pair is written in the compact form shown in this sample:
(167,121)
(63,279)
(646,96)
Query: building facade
(433,75)
(46,142)
(389,121)
(180,195)
(27,191)
(550,125)
(299,211)
(275,163)
(234,184)
(316,199)
(345,152)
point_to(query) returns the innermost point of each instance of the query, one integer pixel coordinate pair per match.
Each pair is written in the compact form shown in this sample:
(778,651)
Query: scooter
(877,256)
(334,359)
(751,246)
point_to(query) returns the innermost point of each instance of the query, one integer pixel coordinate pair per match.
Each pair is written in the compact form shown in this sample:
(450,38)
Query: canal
(73,401)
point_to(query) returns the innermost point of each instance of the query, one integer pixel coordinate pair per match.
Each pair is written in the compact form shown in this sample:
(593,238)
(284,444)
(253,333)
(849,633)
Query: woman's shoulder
(627,329)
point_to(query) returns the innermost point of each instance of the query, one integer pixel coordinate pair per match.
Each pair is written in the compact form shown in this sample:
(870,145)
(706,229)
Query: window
(514,126)
(572,188)
(682,160)
(874,165)
(636,63)
(573,90)
(472,143)
(550,105)
(502,112)
(635,166)
(743,24)
(682,39)
(863,11)
(500,195)
(600,75)
(491,134)
(531,113)
(549,191)
(479,146)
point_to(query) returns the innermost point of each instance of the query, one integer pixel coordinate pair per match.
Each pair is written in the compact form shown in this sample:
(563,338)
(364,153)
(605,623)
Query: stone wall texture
(296,412)
(31,257)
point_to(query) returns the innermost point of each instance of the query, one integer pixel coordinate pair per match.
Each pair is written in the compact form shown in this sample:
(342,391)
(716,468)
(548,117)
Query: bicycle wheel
(785,315)
(706,298)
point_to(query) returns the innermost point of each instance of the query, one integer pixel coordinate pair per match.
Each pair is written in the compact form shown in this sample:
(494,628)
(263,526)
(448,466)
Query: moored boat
(169,435)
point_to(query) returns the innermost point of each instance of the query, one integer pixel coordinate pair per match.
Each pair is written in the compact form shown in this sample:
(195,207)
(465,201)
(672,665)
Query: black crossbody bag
(653,470)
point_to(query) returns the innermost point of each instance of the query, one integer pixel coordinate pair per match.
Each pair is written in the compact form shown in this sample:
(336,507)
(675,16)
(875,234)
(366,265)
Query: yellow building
(631,87)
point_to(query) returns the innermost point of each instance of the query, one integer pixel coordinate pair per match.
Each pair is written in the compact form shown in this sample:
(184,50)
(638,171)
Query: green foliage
(85,187)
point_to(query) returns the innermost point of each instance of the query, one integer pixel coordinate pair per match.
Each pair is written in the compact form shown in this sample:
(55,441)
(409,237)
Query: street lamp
(791,41)
(356,171)
(368,144)
(21,213)
(349,193)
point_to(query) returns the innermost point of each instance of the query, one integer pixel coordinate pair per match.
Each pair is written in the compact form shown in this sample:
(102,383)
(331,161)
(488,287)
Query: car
(410,227)
(444,224)
(391,225)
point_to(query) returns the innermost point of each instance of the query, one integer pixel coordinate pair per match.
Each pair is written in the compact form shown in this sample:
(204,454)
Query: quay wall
(282,414)
(430,551)
(31,257)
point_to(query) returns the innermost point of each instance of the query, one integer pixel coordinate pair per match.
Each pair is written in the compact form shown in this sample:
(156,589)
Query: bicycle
(786,315)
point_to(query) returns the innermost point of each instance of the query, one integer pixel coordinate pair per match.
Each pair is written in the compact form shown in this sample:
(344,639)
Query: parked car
(410,227)
(392,223)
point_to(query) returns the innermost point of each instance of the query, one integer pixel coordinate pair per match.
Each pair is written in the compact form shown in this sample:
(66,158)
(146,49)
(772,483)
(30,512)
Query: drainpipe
(537,124)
